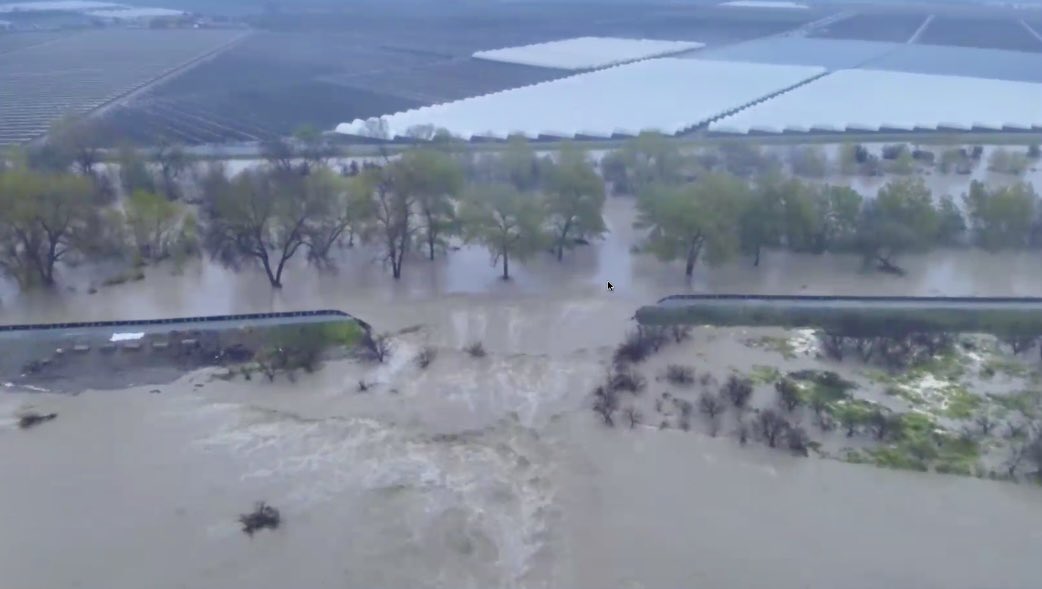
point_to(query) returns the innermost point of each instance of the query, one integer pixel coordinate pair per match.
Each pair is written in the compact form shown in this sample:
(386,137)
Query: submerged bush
(475,350)
(263,516)
(680,375)
(30,420)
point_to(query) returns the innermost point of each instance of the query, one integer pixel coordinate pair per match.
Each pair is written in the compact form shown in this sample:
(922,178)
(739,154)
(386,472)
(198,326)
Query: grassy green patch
(1025,402)
(897,457)
(764,374)
(342,333)
(961,403)
(778,344)
(1005,366)
(822,388)
(948,366)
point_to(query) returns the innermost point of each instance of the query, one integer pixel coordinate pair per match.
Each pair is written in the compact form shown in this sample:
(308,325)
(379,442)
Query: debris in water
(262,516)
(34,419)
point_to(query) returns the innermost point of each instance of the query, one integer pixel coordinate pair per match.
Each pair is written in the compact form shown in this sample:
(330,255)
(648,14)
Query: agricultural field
(11,42)
(322,69)
(82,72)
(990,33)
(874,27)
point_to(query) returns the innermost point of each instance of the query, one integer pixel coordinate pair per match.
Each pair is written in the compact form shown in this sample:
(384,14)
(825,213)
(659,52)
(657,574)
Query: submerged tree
(262,219)
(45,218)
(1001,218)
(348,208)
(683,222)
(434,179)
(155,224)
(900,219)
(574,200)
(507,222)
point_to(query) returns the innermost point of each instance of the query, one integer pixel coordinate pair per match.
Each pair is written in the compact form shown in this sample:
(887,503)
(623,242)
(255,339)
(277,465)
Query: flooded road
(477,472)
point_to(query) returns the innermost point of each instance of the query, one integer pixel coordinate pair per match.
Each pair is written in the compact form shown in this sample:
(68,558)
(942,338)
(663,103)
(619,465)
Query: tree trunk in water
(274,280)
(756,260)
(560,250)
(430,244)
(506,266)
(889,267)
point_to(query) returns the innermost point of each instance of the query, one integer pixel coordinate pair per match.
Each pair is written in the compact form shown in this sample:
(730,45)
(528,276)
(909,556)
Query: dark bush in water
(263,516)
(34,419)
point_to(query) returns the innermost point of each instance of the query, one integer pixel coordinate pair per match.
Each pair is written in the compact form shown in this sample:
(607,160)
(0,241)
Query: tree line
(58,208)
(737,201)
(61,203)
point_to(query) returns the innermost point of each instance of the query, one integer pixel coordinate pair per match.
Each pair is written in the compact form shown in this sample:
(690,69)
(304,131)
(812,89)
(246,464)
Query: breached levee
(95,354)
(852,316)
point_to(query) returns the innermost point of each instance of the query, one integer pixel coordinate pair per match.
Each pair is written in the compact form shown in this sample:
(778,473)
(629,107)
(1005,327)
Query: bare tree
(712,406)
(788,394)
(605,403)
(738,390)
(798,440)
(633,416)
(771,426)
(380,347)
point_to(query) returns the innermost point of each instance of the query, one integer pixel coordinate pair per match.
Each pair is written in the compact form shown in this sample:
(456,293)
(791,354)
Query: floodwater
(476,472)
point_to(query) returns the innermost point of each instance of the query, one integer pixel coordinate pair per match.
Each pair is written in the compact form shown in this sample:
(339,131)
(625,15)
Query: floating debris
(263,516)
(30,420)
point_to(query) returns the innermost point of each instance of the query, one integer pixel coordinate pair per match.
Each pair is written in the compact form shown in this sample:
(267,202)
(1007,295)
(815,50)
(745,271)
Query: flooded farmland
(479,472)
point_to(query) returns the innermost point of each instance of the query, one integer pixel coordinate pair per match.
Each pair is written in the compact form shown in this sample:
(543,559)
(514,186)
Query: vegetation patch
(777,344)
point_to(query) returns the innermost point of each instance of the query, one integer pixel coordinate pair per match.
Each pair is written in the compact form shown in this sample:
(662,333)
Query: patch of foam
(805,342)
(488,476)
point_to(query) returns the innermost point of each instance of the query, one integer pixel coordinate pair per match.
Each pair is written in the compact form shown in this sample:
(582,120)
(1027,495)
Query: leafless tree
(985,423)
(788,394)
(380,347)
(771,426)
(738,390)
(633,416)
(712,406)
(798,440)
(605,403)
(680,375)
(680,333)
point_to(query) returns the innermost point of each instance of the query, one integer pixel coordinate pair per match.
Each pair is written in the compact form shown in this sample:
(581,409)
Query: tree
(900,219)
(771,426)
(44,218)
(314,149)
(349,206)
(392,211)
(1001,218)
(153,222)
(279,154)
(78,139)
(173,162)
(574,200)
(261,219)
(518,165)
(738,390)
(788,394)
(809,161)
(951,225)
(434,179)
(134,174)
(712,406)
(762,222)
(507,222)
(646,160)
(682,222)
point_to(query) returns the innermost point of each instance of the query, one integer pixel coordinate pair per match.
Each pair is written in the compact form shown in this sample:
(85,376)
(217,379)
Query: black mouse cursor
(611,288)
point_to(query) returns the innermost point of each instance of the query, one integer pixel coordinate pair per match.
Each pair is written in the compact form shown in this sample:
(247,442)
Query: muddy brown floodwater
(476,473)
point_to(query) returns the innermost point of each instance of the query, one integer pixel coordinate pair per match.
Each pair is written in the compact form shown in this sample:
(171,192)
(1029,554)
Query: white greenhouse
(585,53)
(868,100)
(666,95)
